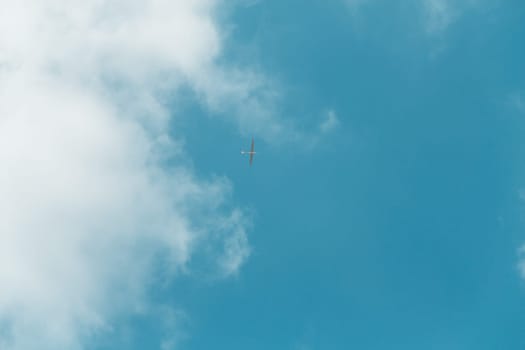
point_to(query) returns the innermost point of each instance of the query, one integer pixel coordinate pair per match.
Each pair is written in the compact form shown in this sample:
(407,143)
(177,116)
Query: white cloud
(90,208)
(160,43)
(330,122)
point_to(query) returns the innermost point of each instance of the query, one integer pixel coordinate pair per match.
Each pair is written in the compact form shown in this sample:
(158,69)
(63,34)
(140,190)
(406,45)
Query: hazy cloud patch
(517,101)
(330,122)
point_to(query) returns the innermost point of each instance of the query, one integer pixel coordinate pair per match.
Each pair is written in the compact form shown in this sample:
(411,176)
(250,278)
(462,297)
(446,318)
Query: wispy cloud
(517,101)
(173,326)
(435,16)
(521,250)
(330,122)
(90,206)
(521,262)
(355,5)
(439,14)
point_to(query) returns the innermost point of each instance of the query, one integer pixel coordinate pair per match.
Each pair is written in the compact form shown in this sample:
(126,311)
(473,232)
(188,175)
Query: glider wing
(251,152)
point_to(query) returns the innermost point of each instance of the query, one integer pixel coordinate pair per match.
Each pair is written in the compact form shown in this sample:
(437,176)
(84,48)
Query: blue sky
(396,225)
(401,230)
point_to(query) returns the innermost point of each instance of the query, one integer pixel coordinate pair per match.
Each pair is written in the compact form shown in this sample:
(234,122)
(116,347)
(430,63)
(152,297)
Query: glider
(251,152)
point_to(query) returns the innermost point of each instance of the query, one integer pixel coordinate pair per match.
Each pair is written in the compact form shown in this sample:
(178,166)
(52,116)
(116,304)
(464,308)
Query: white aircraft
(251,152)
